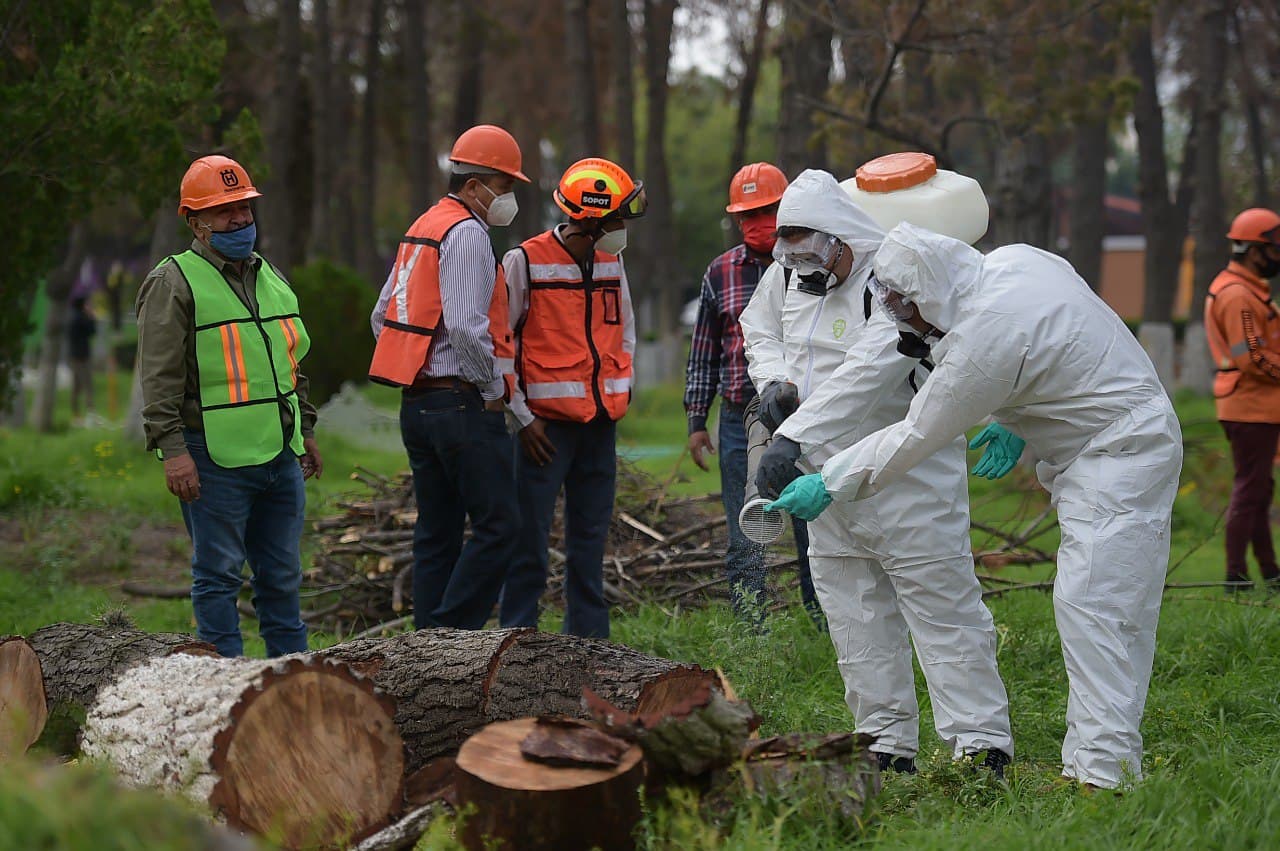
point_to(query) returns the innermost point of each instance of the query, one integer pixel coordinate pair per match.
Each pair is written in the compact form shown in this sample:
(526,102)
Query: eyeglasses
(813,249)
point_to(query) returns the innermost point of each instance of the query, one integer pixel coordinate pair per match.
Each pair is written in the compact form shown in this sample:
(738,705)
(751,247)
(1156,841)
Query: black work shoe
(1235,584)
(996,760)
(900,764)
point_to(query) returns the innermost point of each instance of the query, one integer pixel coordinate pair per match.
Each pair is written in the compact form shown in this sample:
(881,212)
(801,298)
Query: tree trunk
(521,804)
(1208,216)
(806,72)
(322,142)
(1088,200)
(24,708)
(364,224)
(302,749)
(471,42)
(450,683)
(624,94)
(342,224)
(58,287)
(420,157)
(281,231)
(583,133)
(751,61)
(1024,207)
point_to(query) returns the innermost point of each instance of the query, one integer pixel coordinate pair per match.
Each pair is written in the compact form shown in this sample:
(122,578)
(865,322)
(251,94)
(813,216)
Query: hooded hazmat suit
(899,564)
(1028,342)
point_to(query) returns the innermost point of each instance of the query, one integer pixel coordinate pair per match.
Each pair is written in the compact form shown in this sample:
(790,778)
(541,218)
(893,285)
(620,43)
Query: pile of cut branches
(668,551)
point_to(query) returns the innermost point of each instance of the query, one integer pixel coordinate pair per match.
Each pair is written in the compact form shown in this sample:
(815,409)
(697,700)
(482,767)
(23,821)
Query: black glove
(777,467)
(778,401)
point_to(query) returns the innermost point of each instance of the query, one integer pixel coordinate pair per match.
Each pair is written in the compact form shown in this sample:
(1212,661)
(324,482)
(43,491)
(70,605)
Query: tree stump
(296,748)
(530,806)
(448,684)
(77,660)
(23,708)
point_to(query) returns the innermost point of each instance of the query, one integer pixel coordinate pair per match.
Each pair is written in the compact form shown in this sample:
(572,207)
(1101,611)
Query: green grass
(1212,726)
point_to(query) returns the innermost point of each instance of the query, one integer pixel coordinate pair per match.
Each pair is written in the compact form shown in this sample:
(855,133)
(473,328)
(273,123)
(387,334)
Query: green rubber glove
(806,498)
(1004,448)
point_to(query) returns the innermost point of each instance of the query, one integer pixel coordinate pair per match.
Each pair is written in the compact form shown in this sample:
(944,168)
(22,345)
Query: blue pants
(252,514)
(462,460)
(585,465)
(744,559)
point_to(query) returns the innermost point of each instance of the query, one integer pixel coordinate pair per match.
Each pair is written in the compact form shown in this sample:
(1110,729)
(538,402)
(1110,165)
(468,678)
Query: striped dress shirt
(462,346)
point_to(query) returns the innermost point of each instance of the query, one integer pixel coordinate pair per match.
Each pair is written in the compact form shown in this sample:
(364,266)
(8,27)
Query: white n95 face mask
(612,242)
(502,209)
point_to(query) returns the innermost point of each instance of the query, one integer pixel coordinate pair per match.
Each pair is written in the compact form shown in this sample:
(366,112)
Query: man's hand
(538,448)
(699,442)
(777,467)
(312,464)
(495,405)
(778,401)
(182,478)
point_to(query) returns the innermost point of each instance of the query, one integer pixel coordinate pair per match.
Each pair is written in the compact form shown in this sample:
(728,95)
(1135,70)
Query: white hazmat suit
(1028,342)
(900,563)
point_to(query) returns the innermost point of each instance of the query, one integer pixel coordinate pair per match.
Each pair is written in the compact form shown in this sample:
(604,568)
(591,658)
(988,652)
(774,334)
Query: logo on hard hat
(595,199)
(229,178)
(748,188)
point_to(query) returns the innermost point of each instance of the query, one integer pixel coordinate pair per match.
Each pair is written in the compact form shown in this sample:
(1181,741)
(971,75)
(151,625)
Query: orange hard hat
(1257,224)
(596,188)
(755,185)
(212,181)
(489,146)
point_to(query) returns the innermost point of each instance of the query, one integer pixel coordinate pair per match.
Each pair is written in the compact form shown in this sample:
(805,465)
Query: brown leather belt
(448,382)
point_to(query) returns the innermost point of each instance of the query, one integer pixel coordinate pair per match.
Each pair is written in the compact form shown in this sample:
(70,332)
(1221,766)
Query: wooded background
(344,110)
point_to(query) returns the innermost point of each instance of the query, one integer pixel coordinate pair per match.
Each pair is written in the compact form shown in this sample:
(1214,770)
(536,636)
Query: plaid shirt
(717,357)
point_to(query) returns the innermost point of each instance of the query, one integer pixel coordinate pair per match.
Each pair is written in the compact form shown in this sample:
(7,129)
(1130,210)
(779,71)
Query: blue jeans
(744,559)
(252,514)
(585,465)
(462,461)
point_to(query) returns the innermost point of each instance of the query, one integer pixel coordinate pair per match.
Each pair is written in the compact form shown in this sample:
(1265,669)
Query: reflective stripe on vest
(247,363)
(414,309)
(572,365)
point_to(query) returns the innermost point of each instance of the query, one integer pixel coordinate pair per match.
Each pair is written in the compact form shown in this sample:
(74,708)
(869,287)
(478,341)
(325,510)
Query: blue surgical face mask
(235,244)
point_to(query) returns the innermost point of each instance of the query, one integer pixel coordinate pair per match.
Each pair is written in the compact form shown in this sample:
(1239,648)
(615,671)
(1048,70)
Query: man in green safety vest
(225,407)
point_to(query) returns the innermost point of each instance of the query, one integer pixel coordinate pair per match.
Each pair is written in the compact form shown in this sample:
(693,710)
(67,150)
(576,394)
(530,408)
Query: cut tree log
(78,659)
(816,774)
(531,806)
(297,748)
(23,707)
(448,684)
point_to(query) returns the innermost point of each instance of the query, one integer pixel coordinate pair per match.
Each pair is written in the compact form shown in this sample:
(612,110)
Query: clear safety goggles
(814,249)
(895,303)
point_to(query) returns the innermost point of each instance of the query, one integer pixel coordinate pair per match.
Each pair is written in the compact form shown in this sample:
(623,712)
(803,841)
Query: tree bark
(322,142)
(449,683)
(299,748)
(624,94)
(280,234)
(367,193)
(1023,207)
(583,132)
(58,287)
(24,708)
(467,95)
(1088,200)
(521,804)
(420,157)
(1208,216)
(806,72)
(751,61)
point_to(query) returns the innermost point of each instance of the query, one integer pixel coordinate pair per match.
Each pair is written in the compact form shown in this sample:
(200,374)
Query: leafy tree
(96,96)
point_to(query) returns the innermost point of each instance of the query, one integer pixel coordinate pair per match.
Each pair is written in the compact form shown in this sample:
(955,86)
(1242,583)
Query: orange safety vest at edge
(1241,396)
(413,312)
(572,365)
